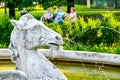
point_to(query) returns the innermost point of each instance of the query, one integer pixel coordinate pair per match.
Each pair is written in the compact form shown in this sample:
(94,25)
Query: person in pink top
(72,15)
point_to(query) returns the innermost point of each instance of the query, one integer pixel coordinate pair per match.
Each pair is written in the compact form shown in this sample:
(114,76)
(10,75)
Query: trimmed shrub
(89,34)
(5,31)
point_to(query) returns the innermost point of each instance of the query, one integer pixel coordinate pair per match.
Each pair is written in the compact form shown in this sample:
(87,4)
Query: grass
(84,8)
(1,10)
(36,14)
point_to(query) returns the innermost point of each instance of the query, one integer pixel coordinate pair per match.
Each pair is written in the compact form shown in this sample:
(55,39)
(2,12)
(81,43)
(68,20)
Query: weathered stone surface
(12,75)
(27,35)
(84,56)
(81,56)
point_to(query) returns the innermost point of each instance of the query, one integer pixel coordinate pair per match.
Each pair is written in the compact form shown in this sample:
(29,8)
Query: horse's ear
(14,22)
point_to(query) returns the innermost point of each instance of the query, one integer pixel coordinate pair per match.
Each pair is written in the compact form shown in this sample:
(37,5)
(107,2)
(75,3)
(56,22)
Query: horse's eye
(35,28)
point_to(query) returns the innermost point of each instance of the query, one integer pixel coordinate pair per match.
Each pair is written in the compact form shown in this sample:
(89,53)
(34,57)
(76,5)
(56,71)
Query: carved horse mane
(27,35)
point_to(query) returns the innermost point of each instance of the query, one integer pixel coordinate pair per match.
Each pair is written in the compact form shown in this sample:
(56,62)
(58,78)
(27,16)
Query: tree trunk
(88,3)
(116,6)
(11,7)
(5,10)
(70,3)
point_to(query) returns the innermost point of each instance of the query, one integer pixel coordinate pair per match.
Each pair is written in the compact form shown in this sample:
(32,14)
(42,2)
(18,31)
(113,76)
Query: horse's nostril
(58,38)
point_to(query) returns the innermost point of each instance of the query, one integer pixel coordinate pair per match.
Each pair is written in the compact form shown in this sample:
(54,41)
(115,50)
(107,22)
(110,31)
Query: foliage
(86,33)
(91,34)
(49,3)
(5,30)
(109,20)
(81,7)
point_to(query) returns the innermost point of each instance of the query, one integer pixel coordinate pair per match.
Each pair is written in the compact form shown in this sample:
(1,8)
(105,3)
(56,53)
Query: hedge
(89,34)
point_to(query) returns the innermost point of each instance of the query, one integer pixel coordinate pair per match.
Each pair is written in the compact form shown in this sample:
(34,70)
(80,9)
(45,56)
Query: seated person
(72,15)
(48,16)
(59,15)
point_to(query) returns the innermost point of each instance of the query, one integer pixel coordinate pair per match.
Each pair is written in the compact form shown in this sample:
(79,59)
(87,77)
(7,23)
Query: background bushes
(91,34)
(5,30)
(86,33)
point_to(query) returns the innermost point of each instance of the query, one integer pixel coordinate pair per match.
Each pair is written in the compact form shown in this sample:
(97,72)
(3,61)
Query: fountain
(27,35)
(27,64)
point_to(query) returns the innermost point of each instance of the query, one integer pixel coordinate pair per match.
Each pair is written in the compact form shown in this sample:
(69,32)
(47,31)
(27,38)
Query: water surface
(79,71)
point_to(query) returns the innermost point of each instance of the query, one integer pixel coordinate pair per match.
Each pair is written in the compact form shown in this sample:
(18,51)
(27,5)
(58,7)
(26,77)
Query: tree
(70,3)
(116,4)
(12,4)
(88,3)
(48,3)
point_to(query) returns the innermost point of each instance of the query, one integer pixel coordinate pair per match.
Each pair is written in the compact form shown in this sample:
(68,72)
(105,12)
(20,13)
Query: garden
(96,30)
(91,43)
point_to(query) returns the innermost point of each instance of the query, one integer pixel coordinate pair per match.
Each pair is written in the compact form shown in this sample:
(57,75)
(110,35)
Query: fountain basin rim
(74,56)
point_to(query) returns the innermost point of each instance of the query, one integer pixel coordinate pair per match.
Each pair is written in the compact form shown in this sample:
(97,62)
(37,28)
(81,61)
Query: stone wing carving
(12,75)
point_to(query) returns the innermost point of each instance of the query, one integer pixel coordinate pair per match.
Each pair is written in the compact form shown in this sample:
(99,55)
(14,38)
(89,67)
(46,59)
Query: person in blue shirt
(59,15)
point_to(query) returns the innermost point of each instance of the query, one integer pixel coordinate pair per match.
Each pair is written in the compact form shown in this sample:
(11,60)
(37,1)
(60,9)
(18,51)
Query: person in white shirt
(48,16)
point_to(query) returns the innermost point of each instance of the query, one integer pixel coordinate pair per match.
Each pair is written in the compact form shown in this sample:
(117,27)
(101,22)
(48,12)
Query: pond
(79,71)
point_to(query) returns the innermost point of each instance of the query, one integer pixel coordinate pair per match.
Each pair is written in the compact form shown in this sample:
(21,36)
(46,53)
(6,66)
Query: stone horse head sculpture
(27,35)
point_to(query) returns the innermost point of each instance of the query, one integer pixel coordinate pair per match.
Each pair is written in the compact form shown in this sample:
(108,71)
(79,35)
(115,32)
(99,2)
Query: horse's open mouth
(54,44)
